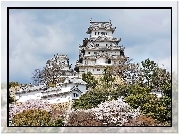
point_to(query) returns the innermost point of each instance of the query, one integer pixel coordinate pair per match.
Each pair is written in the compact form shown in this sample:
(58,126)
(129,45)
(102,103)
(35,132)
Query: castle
(101,49)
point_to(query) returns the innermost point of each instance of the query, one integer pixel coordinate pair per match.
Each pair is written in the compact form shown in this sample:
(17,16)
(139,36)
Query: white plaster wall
(98,72)
(90,69)
(109,33)
(100,52)
(28,96)
(100,61)
(91,62)
(52,92)
(93,70)
(81,70)
(82,88)
(63,98)
(103,44)
(71,85)
(62,60)
(66,68)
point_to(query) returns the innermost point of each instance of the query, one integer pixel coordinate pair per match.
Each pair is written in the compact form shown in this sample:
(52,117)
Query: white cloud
(29,51)
(35,42)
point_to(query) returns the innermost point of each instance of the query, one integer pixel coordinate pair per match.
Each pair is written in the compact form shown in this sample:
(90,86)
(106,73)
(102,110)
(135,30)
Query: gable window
(75,95)
(109,61)
(121,53)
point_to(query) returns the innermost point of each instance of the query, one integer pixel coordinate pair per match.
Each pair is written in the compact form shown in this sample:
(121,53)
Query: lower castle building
(67,87)
(71,88)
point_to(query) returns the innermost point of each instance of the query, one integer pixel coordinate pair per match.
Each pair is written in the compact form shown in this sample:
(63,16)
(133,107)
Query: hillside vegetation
(109,104)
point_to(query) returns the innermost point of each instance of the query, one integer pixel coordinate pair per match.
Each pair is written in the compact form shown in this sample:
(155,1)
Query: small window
(103,51)
(109,61)
(94,52)
(98,33)
(106,44)
(106,33)
(98,69)
(121,53)
(88,52)
(75,94)
(103,33)
(95,33)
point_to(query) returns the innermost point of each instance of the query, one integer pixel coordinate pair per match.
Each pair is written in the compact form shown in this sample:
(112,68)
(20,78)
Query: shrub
(145,121)
(82,118)
(28,105)
(91,99)
(57,122)
(115,112)
(141,121)
(33,110)
(31,118)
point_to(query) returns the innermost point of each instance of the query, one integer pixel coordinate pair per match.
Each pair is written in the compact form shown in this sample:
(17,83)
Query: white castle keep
(101,49)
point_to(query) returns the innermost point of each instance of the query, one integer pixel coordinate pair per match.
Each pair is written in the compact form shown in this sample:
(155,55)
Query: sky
(35,35)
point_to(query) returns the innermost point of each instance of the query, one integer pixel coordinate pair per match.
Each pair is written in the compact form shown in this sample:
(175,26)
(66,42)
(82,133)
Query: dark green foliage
(13,84)
(155,78)
(57,122)
(138,96)
(122,90)
(150,105)
(91,99)
(149,72)
(90,80)
(107,79)
(11,99)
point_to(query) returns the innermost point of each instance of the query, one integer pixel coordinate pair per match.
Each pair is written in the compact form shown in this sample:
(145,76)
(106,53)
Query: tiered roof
(100,25)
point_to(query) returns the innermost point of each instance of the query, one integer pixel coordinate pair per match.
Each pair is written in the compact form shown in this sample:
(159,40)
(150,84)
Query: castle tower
(61,60)
(101,49)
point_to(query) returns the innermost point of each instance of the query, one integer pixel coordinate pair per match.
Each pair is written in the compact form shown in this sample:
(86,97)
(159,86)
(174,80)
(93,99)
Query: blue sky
(36,35)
